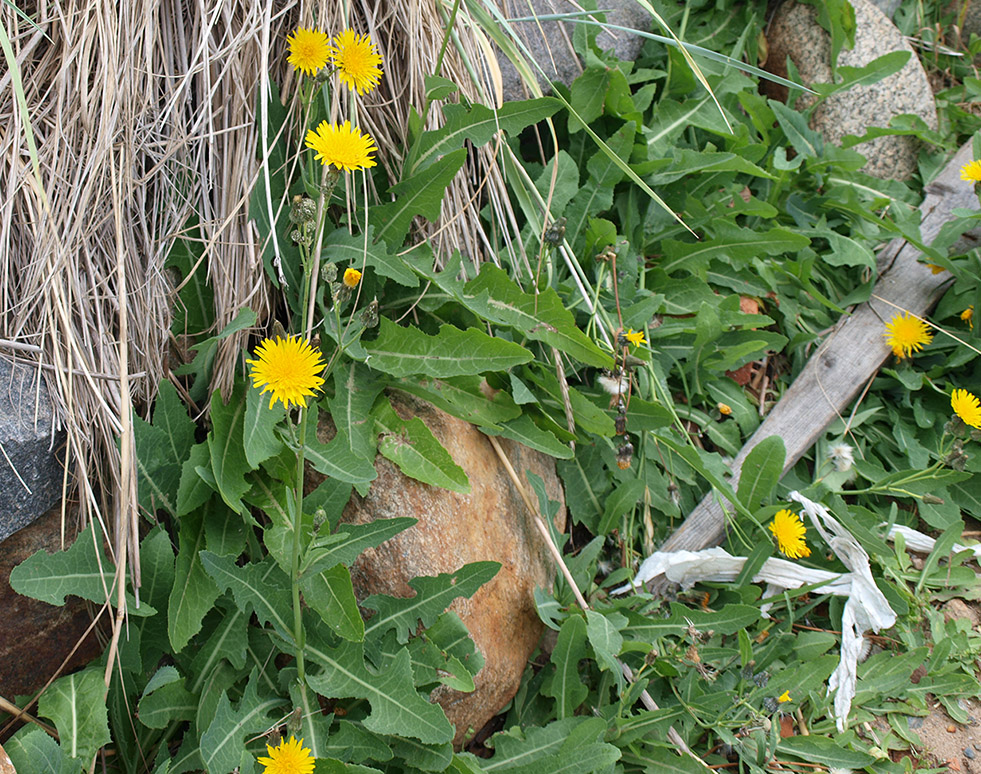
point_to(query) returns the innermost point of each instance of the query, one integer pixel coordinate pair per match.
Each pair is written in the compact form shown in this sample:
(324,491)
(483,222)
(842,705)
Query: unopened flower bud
(328,273)
(303,210)
(369,317)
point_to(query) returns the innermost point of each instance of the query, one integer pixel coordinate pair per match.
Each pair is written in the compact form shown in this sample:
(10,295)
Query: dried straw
(145,116)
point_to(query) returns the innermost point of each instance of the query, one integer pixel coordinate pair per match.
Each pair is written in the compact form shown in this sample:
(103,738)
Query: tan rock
(489,523)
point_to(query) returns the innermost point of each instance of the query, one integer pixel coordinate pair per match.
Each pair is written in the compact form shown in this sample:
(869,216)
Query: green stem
(299,638)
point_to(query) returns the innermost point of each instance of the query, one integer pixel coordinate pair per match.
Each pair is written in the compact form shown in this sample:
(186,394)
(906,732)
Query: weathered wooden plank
(850,355)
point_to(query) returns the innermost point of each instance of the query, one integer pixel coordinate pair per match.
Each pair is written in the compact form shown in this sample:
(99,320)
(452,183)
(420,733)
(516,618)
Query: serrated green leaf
(355,390)
(411,445)
(224,739)
(821,750)
(736,245)
(259,427)
(417,194)
(81,571)
(260,587)
(356,250)
(567,686)
(525,431)
(555,748)
(806,141)
(424,757)
(164,704)
(194,593)
(77,706)
(477,125)
(396,706)
(194,490)
(32,749)
(761,471)
(461,396)
(433,596)
(351,742)
(605,638)
(161,449)
(542,317)
(346,544)
(729,620)
(334,459)
(331,593)
(225,447)
(452,352)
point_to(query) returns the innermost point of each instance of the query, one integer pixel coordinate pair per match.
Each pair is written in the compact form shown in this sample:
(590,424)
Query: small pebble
(969,753)
(951,729)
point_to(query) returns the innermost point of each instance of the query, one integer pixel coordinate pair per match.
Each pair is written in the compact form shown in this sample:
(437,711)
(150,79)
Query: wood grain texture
(851,354)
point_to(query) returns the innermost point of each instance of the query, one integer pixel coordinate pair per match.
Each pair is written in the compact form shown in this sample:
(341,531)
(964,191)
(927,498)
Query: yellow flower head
(343,146)
(357,61)
(309,50)
(724,408)
(289,758)
(971,171)
(968,316)
(934,269)
(789,531)
(635,337)
(352,277)
(784,697)
(967,407)
(288,369)
(907,334)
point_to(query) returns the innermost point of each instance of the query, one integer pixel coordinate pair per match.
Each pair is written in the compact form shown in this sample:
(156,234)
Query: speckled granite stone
(795,32)
(972,17)
(553,51)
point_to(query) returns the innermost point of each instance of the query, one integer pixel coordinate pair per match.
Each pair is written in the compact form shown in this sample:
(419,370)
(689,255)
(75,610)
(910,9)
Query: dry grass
(144,114)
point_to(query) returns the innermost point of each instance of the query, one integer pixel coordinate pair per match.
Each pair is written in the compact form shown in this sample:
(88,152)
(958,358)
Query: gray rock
(795,32)
(968,17)
(30,471)
(553,50)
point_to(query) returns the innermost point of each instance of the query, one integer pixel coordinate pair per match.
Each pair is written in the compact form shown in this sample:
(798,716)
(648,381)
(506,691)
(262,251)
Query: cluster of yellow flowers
(358,65)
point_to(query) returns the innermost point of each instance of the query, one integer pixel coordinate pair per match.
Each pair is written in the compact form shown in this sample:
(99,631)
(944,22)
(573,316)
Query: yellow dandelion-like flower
(343,146)
(907,334)
(971,171)
(784,697)
(968,316)
(352,277)
(635,337)
(934,269)
(789,531)
(724,408)
(357,61)
(288,369)
(967,407)
(289,758)
(309,50)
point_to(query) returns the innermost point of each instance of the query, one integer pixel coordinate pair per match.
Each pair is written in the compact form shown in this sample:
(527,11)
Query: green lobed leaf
(335,459)
(729,620)
(396,706)
(259,587)
(193,593)
(433,596)
(605,638)
(32,749)
(357,250)
(349,541)
(452,352)
(566,746)
(164,704)
(82,570)
(194,489)
(822,750)
(331,593)
(477,125)
(355,390)
(566,685)
(462,397)
(525,431)
(761,471)
(542,317)
(259,427)
(161,449)
(735,244)
(226,447)
(223,741)
(418,194)
(76,703)
(411,445)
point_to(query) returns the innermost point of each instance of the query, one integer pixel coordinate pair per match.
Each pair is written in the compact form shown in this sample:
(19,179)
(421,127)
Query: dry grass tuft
(144,115)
